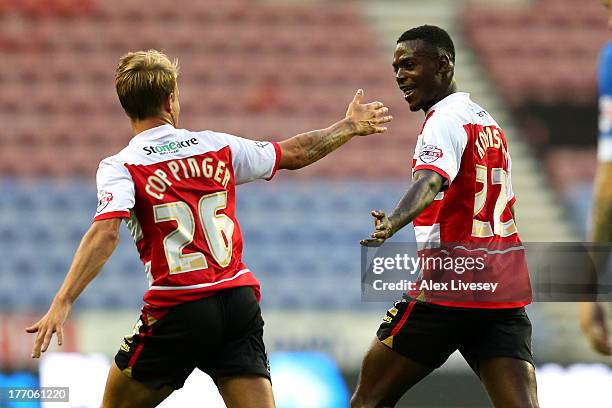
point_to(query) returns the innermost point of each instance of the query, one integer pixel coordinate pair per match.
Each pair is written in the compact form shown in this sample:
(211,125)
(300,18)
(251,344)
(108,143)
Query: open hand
(368,117)
(593,324)
(52,322)
(382,230)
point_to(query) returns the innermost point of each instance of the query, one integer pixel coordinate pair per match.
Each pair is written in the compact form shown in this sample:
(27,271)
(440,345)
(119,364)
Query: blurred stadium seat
(264,70)
(531,49)
(308,65)
(42,223)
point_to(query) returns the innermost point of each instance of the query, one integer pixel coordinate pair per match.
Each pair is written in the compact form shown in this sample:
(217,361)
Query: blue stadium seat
(33,300)
(75,232)
(253,235)
(113,300)
(39,235)
(6,302)
(271,269)
(25,202)
(289,236)
(9,235)
(326,301)
(299,239)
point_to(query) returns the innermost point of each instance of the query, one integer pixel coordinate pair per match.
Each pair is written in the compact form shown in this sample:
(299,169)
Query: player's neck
(452,88)
(139,126)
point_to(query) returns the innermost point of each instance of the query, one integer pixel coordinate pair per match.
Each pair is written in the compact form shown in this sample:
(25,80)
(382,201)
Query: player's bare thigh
(510,382)
(246,392)
(123,392)
(385,376)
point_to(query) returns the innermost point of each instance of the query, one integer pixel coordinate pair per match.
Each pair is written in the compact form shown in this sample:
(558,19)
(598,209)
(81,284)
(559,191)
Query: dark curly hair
(433,36)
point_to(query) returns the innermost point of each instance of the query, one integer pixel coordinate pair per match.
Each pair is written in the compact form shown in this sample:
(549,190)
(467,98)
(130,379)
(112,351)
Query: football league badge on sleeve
(105,198)
(430,154)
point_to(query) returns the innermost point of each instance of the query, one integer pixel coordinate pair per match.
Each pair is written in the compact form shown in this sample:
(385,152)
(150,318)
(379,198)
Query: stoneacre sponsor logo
(172,146)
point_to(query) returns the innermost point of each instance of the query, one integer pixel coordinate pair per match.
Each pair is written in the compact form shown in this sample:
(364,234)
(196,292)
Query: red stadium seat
(261,70)
(521,43)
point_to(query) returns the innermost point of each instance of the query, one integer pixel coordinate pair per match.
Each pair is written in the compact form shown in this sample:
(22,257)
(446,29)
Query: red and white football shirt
(463,143)
(176,189)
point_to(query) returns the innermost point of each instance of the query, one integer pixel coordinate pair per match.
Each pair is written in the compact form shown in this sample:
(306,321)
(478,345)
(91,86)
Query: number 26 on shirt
(218,230)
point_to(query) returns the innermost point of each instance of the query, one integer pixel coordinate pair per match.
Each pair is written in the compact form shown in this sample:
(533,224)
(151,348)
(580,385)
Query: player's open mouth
(408,91)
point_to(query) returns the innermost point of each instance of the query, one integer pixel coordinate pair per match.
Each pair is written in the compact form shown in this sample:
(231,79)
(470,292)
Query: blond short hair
(144,79)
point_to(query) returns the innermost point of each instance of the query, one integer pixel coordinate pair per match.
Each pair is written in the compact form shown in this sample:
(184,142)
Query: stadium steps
(541,216)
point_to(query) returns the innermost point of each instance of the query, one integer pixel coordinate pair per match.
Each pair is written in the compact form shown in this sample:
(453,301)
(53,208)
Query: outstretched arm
(420,195)
(602,204)
(306,148)
(96,247)
(593,315)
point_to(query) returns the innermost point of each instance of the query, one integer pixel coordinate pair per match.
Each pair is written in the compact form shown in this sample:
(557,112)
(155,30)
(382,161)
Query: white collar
(153,133)
(449,99)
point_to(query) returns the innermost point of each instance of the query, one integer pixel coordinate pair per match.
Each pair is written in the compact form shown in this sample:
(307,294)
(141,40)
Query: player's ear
(445,65)
(168,102)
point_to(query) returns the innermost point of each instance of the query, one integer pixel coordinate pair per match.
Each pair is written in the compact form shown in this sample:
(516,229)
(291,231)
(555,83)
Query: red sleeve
(277,149)
(112,214)
(434,168)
